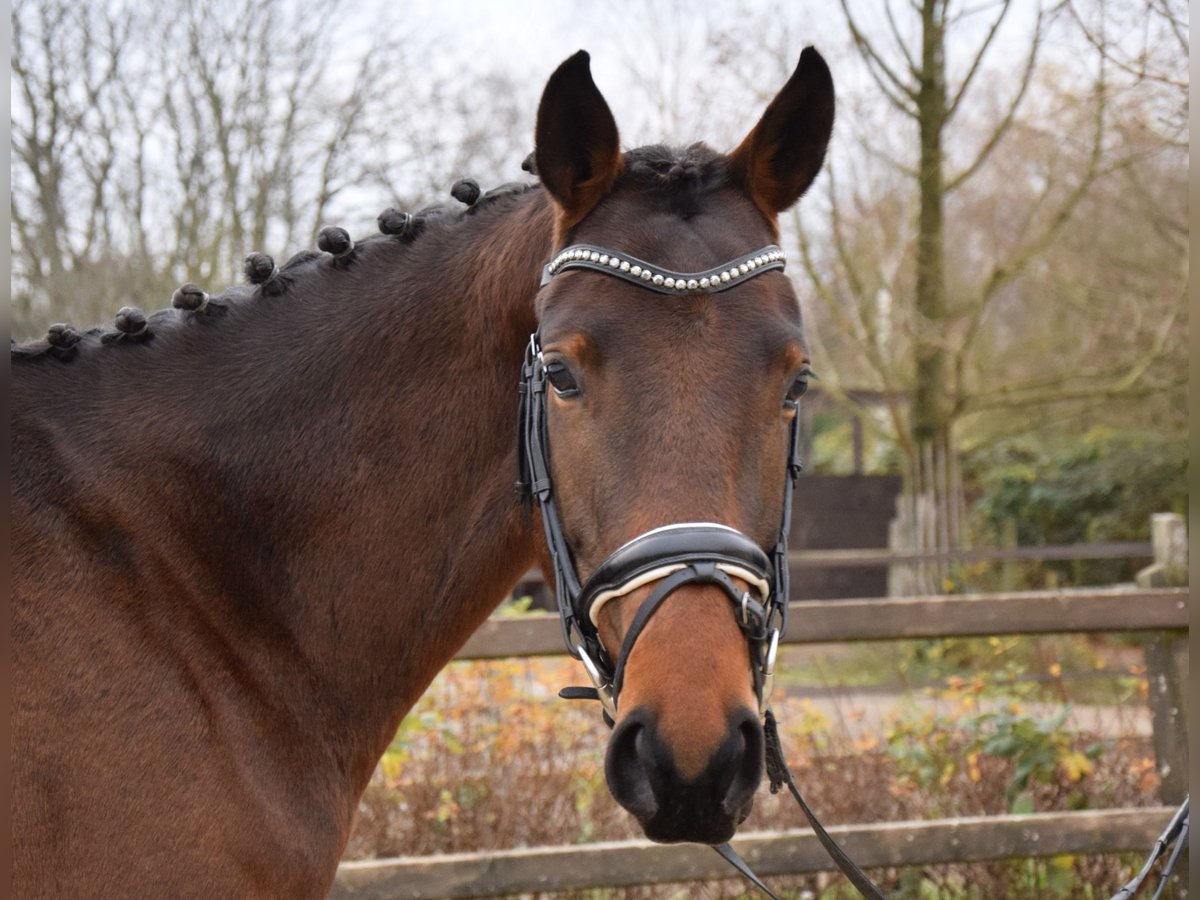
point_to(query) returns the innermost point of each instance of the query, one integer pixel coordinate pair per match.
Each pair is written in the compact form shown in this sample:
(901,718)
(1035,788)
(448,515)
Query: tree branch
(888,81)
(1004,399)
(1016,262)
(909,63)
(866,338)
(978,59)
(999,132)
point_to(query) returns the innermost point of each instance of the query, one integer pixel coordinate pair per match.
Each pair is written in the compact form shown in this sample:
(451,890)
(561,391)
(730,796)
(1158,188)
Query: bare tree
(161,143)
(1050,162)
(915,82)
(67,60)
(996,246)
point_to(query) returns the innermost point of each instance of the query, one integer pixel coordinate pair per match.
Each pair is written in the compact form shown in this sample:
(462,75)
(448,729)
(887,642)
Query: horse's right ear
(578,154)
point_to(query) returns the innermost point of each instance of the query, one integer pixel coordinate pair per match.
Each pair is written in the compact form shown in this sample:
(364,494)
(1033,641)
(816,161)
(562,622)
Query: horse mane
(191,305)
(684,176)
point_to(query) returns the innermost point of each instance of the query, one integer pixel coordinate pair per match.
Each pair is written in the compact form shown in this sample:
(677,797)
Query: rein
(1175,833)
(673,555)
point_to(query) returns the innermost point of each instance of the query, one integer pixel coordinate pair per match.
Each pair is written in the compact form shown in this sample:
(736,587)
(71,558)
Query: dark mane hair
(191,306)
(684,174)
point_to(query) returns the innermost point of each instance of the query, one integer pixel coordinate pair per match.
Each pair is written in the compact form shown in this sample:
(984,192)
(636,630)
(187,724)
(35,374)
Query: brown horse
(249,531)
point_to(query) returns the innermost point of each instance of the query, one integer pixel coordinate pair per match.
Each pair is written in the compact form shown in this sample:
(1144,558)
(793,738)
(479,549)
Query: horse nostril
(626,767)
(747,762)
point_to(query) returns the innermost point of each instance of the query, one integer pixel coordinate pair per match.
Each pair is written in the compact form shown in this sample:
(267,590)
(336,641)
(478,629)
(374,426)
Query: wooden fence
(893,618)
(629,863)
(883,556)
(1151,611)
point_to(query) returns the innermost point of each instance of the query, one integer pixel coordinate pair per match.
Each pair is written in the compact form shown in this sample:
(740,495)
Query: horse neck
(416,532)
(352,446)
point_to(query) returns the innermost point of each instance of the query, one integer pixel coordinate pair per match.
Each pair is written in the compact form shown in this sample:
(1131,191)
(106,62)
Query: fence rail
(854,557)
(959,615)
(1039,552)
(627,863)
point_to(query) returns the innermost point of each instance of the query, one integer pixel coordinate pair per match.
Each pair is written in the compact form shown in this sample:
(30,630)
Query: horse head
(663,381)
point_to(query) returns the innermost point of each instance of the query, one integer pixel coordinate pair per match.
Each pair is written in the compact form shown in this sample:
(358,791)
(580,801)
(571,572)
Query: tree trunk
(931,402)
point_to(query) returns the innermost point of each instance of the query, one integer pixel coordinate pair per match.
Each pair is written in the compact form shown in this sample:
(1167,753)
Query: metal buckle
(603,688)
(768,671)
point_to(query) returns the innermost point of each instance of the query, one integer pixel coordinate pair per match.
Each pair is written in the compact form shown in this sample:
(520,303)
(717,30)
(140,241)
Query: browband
(664,281)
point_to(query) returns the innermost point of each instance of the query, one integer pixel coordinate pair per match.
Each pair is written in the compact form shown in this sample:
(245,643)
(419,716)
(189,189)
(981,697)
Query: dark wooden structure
(842,512)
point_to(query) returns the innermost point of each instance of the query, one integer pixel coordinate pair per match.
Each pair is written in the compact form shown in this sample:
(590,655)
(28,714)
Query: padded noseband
(674,547)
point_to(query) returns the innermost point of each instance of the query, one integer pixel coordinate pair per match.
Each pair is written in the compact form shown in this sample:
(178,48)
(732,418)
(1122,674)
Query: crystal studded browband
(664,281)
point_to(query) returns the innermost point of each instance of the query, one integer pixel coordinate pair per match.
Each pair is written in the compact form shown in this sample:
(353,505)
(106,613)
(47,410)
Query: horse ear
(783,153)
(578,154)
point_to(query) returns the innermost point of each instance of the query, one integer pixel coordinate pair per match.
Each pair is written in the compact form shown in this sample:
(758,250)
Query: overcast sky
(672,41)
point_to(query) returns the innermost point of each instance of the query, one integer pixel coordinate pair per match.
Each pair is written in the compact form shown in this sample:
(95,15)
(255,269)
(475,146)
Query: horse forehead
(599,318)
(643,338)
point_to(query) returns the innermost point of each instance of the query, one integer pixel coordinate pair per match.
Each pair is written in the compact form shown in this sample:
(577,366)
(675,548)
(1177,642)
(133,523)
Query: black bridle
(668,557)
(691,553)
(671,556)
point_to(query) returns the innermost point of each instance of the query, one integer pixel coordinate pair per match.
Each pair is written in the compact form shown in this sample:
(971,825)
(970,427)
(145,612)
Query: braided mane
(191,305)
(682,175)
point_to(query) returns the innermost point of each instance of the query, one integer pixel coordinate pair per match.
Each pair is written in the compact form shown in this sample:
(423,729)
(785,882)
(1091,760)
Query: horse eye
(800,385)
(561,380)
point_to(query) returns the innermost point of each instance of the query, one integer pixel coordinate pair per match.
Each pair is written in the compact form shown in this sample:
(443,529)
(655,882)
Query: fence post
(1167,660)
(1009,568)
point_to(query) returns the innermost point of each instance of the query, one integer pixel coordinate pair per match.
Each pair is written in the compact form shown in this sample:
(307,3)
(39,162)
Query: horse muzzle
(643,777)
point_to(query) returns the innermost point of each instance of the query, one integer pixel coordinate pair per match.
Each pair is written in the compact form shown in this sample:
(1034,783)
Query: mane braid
(683,175)
(190,304)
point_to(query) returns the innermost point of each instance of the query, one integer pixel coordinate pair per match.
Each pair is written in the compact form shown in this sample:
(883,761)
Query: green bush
(1103,486)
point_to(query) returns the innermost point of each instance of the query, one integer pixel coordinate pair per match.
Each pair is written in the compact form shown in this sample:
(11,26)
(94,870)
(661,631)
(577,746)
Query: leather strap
(681,543)
(660,280)
(697,572)
(777,771)
(1176,832)
(727,853)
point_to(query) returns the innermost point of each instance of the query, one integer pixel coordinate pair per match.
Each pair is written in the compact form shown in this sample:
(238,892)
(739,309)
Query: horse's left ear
(578,154)
(783,153)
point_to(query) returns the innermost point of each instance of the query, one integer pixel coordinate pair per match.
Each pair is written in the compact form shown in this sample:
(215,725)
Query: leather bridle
(673,555)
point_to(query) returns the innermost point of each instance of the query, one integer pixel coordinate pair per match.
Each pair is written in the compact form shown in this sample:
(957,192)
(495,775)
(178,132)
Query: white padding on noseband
(759,584)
